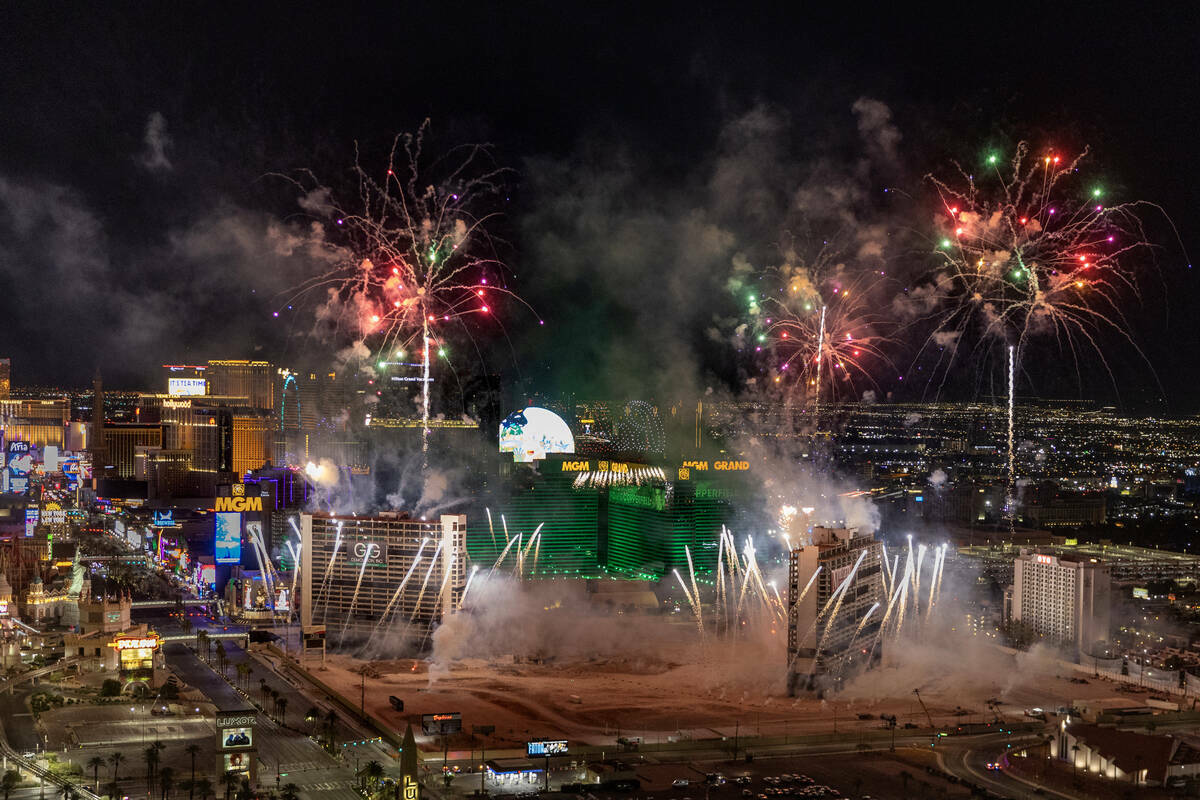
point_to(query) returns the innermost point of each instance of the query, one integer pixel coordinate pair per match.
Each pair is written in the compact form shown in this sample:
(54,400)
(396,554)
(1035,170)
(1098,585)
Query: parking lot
(876,775)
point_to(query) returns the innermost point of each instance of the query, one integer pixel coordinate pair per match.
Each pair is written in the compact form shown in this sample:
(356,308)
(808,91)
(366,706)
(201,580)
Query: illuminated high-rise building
(5,378)
(253,380)
(1063,598)
(353,572)
(836,556)
(253,439)
(38,422)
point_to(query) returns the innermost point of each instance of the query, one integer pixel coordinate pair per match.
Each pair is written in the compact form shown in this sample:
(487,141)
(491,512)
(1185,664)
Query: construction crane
(928,716)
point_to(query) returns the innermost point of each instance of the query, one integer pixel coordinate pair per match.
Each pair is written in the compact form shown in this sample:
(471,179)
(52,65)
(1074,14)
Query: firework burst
(817,327)
(1029,249)
(417,261)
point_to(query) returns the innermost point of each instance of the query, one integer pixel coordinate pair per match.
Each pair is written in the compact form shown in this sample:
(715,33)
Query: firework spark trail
(324,589)
(503,554)
(909,578)
(921,550)
(504,522)
(808,585)
(295,553)
(693,602)
(935,580)
(779,600)
(491,529)
(695,589)
(941,570)
(354,597)
(447,572)
(400,588)
(731,559)
(462,601)
(885,572)
(425,583)
(264,567)
(861,624)
(901,587)
(1010,494)
(842,590)
(537,551)
(722,607)
(820,361)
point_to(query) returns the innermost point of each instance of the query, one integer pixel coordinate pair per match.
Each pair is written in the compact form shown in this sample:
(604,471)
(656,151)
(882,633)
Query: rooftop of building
(1129,751)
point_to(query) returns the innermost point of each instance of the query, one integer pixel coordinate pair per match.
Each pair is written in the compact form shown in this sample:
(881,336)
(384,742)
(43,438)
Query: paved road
(285,755)
(968,759)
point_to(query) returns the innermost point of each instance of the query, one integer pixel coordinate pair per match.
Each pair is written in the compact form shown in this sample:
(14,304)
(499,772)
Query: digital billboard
(208,574)
(186,387)
(227,537)
(556,747)
(164,519)
(18,463)
(530,434)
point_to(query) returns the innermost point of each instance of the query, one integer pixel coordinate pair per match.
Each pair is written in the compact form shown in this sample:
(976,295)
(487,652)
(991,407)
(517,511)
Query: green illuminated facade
(636,532)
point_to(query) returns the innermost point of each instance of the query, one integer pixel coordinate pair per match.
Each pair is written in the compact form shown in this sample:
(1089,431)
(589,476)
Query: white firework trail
(837,607)
(400,587)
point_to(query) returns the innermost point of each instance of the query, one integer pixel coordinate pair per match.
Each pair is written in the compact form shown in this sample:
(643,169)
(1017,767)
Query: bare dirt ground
(689,690)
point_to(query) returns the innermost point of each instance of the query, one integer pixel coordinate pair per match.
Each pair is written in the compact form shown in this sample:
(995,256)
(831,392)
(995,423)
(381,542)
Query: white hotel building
(1063,598)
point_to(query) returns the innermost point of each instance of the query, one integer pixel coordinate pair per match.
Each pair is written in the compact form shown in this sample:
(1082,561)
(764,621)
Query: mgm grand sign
(238,501)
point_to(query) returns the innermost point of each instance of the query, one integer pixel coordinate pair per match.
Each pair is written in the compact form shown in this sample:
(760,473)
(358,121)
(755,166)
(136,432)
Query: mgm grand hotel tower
(832,584)
(387,579)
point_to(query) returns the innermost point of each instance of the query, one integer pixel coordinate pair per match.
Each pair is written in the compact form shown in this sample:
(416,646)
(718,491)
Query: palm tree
(331,725)
(262,688)
(185,624)
(1074,762)
(281,709)
(204,788)
(373,771)
(192,750)
(10,781)
(230,779)
(242,669)
(166,781)
(115,759)
(311,716)
(221,658)
(94,764)
(201,642)
(151,757)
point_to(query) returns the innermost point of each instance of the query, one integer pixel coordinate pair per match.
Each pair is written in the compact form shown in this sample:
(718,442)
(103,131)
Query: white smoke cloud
(157,141)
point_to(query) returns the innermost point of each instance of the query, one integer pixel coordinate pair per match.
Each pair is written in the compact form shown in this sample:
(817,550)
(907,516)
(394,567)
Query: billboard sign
(555,747)
(18,463)
(239,501)
(164,519)
(31,521)
(441,724)
(186,387)
(227,537)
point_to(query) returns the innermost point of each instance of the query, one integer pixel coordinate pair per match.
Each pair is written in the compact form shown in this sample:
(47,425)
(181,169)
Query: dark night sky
(113,255)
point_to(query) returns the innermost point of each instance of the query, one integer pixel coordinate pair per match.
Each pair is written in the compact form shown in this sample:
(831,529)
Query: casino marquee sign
(238,501)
